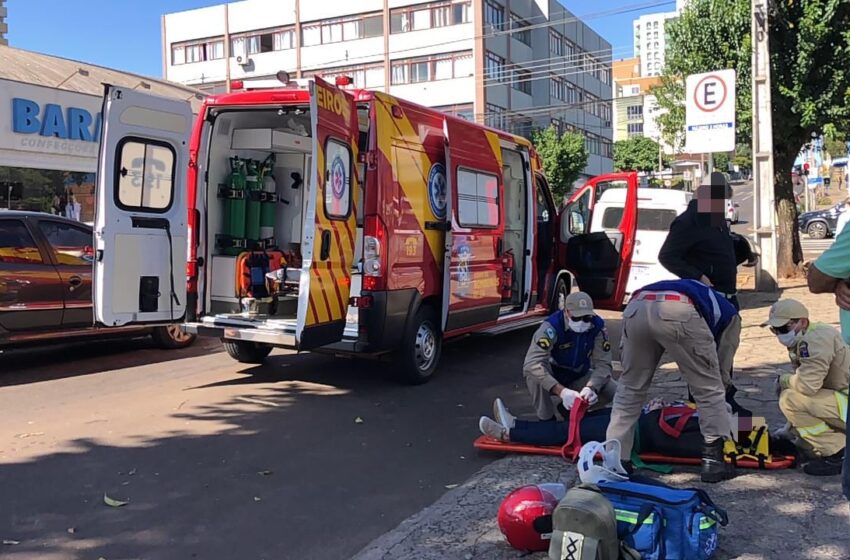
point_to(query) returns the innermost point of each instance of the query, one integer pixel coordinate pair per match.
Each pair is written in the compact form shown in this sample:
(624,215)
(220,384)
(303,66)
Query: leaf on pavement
(132,472)
(358,420)
(450,486)
(30,434)
(10,542)
(257,498)
(265,473)
(71,530)
(111,502)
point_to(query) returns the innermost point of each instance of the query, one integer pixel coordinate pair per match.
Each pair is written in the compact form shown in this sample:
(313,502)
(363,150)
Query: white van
(657,208)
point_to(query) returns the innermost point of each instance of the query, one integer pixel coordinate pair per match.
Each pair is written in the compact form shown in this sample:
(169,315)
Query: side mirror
(576,223)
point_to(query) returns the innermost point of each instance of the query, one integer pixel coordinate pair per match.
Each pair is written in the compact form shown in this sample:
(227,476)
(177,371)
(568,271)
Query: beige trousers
(649,329)
(819,418)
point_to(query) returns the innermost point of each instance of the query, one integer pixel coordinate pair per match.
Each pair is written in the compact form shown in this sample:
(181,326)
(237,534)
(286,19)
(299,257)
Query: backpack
(584,527)
(665,523)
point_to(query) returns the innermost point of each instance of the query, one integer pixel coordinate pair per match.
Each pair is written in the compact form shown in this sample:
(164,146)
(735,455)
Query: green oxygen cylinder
(234,205)
(253,188)
(268,209)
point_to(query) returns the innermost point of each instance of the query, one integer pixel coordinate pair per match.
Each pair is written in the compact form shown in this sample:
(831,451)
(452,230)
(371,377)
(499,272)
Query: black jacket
(694,247)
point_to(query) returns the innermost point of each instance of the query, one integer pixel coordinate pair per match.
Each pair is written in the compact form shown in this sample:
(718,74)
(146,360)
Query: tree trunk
(789,252)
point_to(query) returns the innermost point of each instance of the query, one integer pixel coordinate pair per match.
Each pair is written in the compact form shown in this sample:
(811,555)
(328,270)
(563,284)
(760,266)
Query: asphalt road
(219,460)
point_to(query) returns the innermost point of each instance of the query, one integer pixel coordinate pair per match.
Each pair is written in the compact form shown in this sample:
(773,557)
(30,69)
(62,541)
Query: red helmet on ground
(521,508)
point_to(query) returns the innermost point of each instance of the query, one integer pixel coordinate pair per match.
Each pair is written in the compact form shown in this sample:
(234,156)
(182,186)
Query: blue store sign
(54,121)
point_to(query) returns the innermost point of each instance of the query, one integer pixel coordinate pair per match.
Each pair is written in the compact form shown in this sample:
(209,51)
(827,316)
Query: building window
(495,116)
(197,51)
(607,148)
(635,129)
(431,68)
(571,93)
(427,16)
(342,29)
(569,49)
(521,80)
(634,111)
(520,30)
(556,43)
(558,88)
(464,112)
(494,15)
(260,42)
(558,125)
(494,67)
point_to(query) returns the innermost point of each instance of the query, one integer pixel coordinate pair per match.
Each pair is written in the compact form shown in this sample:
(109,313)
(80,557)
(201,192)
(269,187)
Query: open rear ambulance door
(472,259)
(329,223)
(600,261)
(141,214)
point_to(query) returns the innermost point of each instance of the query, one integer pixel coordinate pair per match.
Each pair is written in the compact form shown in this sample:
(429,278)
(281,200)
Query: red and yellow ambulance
(328,219)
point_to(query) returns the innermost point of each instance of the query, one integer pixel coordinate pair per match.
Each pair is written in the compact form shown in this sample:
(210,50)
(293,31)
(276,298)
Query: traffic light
(805,169)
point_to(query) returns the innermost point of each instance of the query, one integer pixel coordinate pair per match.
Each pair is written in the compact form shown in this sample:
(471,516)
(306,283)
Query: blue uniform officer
(569,358)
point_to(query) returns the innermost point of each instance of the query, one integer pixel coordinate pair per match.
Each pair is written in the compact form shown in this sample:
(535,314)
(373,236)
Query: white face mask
(578,326)
(790,338)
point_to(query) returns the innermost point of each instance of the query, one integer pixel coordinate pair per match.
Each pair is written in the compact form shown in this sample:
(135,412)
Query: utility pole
(764,212)
(226,49)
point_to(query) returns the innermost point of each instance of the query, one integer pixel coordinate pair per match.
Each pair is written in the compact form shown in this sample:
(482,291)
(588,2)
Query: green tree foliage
(810,81)
(743,156)
(636,154)
(563,157)
(721,161)
(835,147)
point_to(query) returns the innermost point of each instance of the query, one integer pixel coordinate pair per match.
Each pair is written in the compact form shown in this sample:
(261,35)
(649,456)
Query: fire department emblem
(338,177)
(437,190)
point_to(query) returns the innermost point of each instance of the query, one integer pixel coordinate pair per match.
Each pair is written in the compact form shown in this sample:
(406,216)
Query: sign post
(710,112)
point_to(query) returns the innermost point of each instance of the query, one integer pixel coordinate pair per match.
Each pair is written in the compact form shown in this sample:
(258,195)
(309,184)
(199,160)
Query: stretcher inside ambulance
(352,222)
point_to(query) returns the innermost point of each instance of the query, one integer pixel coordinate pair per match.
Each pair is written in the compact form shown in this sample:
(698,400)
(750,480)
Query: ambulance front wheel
(247,352)
(420,352)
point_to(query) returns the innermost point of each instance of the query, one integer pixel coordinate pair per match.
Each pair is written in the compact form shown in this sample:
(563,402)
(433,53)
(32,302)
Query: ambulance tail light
(374,254)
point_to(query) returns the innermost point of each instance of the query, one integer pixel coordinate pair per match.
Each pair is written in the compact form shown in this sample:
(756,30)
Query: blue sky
(125,34)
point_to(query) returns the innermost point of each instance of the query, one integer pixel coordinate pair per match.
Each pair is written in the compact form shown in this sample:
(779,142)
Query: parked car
(820,224)
(732,212)
(46,284)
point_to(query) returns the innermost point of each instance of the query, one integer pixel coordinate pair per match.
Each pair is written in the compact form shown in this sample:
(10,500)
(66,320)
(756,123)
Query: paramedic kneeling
(569,358)
(683,318)
(813,398)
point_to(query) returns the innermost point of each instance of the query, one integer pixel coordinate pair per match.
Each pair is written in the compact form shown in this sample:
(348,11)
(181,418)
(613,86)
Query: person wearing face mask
(569,358)
(686,320)
(814,397)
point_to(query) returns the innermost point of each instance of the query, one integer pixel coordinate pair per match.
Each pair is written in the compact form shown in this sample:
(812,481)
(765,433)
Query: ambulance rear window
(648,219)
(478,198)
(337,180)
(144,178)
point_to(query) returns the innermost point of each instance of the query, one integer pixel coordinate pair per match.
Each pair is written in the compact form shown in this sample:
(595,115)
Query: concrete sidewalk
(772,514)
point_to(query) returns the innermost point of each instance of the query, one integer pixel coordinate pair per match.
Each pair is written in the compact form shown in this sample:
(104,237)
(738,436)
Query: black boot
(714,467)
(825,466)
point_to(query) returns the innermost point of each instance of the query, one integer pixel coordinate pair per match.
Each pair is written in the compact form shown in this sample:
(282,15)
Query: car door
(141,216)
(30,287)
(472,265)
(71,248)
(600,261)
(330,223)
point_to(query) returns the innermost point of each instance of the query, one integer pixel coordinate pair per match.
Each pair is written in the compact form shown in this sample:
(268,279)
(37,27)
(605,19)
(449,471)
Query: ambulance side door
(474,227)
(600,261)
(140,227)
(330,224)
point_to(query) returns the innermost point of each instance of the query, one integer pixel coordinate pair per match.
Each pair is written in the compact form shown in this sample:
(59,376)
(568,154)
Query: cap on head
(785,310)
(578,304)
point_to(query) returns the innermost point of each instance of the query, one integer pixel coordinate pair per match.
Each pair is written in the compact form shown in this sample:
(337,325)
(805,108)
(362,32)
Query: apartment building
(650,39)
(633,104)
(512,64)
(3,27)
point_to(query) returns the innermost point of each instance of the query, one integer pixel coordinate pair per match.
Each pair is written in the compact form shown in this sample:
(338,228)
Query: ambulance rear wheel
(420,352)
(247,352)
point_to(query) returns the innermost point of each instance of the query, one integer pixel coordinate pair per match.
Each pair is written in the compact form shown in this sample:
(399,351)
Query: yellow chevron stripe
(322,312)
(410,169)
(495,146)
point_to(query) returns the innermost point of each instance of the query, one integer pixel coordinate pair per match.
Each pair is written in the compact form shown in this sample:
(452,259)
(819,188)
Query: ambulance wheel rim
(426,345)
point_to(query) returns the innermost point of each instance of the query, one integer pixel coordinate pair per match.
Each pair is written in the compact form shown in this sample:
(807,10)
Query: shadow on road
(279,471)
(58,361)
